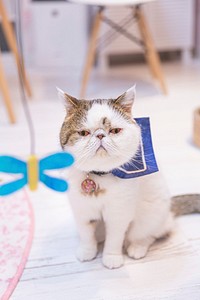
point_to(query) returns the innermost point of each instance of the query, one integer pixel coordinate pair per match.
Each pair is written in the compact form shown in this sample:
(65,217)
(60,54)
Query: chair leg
(6,95)
(91,52)
(11,39)
(151,54)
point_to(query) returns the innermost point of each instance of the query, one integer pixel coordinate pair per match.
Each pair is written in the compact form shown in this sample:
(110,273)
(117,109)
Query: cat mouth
(101,149)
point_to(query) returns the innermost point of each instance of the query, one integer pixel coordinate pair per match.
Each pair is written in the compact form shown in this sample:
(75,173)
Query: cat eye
(84,132)
(115,130)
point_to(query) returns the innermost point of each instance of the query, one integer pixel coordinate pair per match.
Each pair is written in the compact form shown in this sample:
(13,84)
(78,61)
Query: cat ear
(68,100)
(126,100)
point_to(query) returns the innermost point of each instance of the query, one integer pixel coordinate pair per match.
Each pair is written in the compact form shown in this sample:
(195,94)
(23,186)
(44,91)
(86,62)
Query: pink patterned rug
(16,235)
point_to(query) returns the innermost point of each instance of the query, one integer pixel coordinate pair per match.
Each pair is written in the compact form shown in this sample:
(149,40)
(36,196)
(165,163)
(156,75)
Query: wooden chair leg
(91,52)
(11,39)
(151,54)
(6,95)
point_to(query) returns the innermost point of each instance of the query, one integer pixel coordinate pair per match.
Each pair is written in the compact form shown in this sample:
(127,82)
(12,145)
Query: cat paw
(112,261)
(137,251)
(86,254)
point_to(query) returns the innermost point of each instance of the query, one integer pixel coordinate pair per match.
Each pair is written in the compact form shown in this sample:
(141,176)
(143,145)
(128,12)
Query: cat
(102,135)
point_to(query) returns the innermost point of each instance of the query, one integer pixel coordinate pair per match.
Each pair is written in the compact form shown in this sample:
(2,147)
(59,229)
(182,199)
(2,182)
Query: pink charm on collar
(88,186)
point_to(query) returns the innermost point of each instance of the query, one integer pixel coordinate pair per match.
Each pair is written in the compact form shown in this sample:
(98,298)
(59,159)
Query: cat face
(100,134)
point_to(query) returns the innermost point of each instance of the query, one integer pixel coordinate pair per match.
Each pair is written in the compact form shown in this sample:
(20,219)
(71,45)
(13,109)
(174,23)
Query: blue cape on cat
(144,162)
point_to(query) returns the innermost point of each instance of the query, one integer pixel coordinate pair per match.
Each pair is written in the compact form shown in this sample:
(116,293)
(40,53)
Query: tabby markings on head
(77,112)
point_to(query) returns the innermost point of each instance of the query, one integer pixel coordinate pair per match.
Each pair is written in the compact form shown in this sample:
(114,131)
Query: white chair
(146,41)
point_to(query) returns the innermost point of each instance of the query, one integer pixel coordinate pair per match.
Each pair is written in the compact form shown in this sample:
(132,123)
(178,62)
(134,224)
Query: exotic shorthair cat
(102,135)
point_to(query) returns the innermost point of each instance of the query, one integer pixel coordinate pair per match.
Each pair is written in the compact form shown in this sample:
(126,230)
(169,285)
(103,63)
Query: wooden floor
(171,269)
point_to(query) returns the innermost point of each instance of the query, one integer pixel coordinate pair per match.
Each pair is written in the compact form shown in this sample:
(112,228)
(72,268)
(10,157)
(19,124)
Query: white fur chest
(116,195)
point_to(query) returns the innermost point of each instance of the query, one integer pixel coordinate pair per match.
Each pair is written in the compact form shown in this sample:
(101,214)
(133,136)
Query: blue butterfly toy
(34,171)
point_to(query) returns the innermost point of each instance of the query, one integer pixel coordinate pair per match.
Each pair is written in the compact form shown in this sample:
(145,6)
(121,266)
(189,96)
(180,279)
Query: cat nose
(100,136)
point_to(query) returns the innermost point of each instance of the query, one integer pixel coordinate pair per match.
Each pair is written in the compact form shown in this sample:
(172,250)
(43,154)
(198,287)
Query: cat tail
(185,204)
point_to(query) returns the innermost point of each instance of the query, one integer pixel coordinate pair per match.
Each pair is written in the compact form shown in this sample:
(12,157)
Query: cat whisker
(131,163)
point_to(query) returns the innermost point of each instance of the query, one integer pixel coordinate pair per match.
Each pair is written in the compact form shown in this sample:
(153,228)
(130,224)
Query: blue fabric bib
(144,162)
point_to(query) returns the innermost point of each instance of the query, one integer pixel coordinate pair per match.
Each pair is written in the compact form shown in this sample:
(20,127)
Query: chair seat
(110,2)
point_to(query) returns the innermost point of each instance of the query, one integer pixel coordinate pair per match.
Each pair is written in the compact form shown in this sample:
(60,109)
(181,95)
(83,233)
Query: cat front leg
(115,233)
(87,249)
